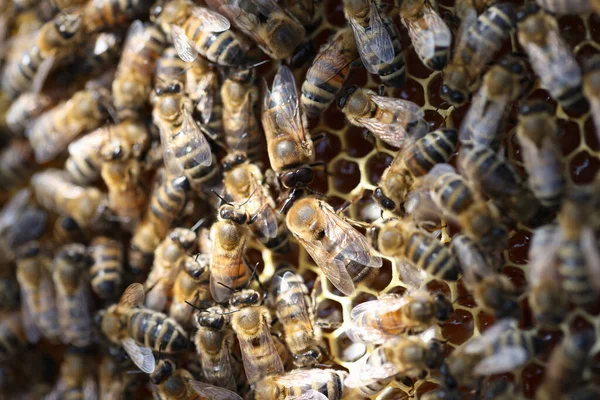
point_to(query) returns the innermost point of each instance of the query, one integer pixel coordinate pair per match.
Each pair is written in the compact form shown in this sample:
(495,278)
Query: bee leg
(381,90)
(340,211)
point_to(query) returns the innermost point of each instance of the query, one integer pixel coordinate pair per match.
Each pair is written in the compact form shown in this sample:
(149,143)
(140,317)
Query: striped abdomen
(167,202)
(394,73)
(574,272)
(517,338)
(330,384)
(142,246)
(156,331)
(434,148)
(170,67)
(451,193)
(428,254)
(222,48)
(225,266)
(546,174)
(107,268)
(106,14)
(18,76)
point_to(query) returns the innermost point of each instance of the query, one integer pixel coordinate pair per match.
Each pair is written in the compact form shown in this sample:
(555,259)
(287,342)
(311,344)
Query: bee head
(443,307)
(164,369)
(344,96)
(453,96)
(67,25)
(212,320)
(385,202)
(230,213)
(297,178)
(245,298)
(234,159)
(435,356)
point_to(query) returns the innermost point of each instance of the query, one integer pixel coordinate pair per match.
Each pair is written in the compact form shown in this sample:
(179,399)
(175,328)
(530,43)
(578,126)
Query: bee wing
(42,73)
(213,392)
(287,284)
(366,335)
(308,395)
(210,21)
(591,253)
(74,316)
(184,47)
(381,43)
(285,92)
(205,92)
(543,253)
(246,22)
(506,359)
(32,332)
(362,45)
(253,366)
(483,118)
(365,374)
(266,220)
(141,356)
(331,62)
(375,308)
(133,296)
(410,275)
(301,376)
(395,134)
(489,337)
(473,262)
(428,34)
(196,140)
(134,41)
(173,167)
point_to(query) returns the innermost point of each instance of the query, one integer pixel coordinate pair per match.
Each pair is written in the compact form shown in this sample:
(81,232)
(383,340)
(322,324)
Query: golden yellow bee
(170,67)
(144,241)
(106,273)
(166,201)
(318,384)
(191,286)
(202,87)
(101,15)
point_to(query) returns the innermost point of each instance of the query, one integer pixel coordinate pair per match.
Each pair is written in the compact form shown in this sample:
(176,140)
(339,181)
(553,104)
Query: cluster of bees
(146,149)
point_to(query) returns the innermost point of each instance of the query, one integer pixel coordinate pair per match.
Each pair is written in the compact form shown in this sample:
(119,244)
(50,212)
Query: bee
(198,30)
(113,382)
(185,149)
(377,40)
(72,295)
(295,311)
(501,348)
(228,268)
(562,7)
(415,249)
(106,273)
(26,108)
(551,57)
(170,67)
(491,174)
(407,356)
(141,331)
(13,338)
(305,11)
(17,164)
(52,131)
(428,32)
(455,197)
(144,241)
(505,82)
(251,322)
(547,300)
(342,253)
(591,84)
(180,385)
(102,15)
(56,40)
(388,119)
(244,182)
(76,380)
(202,87)
(37,292)
(167,256)
(133,81)
(376,321)
(166,201)
(214,341)
(538,134)
(290,148)
(303,384)
(414,161)
(328,72)
(493,291)
(474,49)
(191,286)
(270,26)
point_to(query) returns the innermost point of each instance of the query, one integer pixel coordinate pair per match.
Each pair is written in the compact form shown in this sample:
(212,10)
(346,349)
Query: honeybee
(202,87)
(77,376)
(17,164)
(72,295)
(25,109)
(493,291)
(407,356)
(294,310)
(13,338)
(414,250)
(52,131)
(474,49)
(453,195)
(305,11)
(180,385)
(591,88)
(415,160)
(144,241)
(317,384)
(133,81)
(139,330)
(566,365)
(99,15)
(538,134)
(269,25)
(244,182)
(198,30)
(228,269)
(561,7)
(328,72)
(106,273)
(191,286)
(428,32)
(55,40)
(342,253)
(377,40)
(388,119)
(547,300)
(376,321)
(551,57)
(505,82)
(170,67)
(490,173)
(251,322)
(240,125)
(166,201)
(214,342)
(37,292)
(185,149)
(501,348)
(167,256)
(290,148)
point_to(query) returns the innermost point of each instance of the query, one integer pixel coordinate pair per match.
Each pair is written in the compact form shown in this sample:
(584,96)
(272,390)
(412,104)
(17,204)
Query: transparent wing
(303,376)
(506,359)
(141,356)
(287,285)
(246,22)
(483,118)
(366,335)
(133,296)
(224,363)
(213,392)
(364,374)
(173,167)
(196,142)
(205,93)
(589,246)
(472,260)
(255,369)
(543,253)
(42,73)
(489,337)
(32,332)
(331,61)
(308,395)
(375,308)
(266,221)
(428,34)
(409,275)
(362,44)
(285,93)
(135,40)
(184,47)
(210,21)
(381,43)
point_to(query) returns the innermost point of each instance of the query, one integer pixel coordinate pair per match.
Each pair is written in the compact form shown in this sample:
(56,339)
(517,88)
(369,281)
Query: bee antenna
(249,197)
(258,64)
(225,286)
(243,136)
(198,224)
(254,276)
(131,372)
(182,72)
(193,306)
(221,197)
